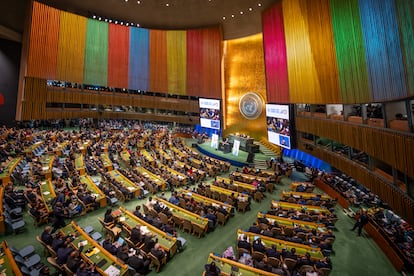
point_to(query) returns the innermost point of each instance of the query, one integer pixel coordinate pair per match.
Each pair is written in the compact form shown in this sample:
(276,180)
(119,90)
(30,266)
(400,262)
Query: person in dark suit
(305,260)
(59,214)
(108,218)
(86,270)
(158,252)
(46,235)
(140,264)
(63,253)
(136,236)
(123,253)
(292,254)
(360,223)
(272,252)
(74,260)
(109,246)
(254,228)
(211,269)
(258,245)
(243,243)
(148,242)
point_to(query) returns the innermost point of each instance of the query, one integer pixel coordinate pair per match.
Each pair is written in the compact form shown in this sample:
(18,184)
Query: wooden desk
(182,177)
(301,249)
(148,157)
(332,192)
(100,196)
(107,162)
(167,242)
(48,194)
(81,236)
(5,176)
(299,207)
(79,164)
(208,201)
(184,214)
(47,165)
(155,178)
(29,151)
(294,185)
(287,222)
(9,266)
(229,266)
(59,149)
(228,192)
(124,181)
(84,146)
(241,186)
(287,194)
(250,177)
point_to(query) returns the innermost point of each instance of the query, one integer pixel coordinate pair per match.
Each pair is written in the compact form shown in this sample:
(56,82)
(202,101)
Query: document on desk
(112,271)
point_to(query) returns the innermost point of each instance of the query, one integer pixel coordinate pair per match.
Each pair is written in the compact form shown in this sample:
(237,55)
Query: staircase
(268,150)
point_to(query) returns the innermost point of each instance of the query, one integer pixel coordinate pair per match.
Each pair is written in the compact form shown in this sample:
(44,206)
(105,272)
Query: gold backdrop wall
(244,72)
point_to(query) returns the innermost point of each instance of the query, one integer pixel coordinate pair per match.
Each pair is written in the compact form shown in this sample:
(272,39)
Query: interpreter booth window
(340,148)
(373,114)
(359,157)
(302,109)
(401,180)
(397,115)
(353,113)
(308,138)
(335,111)
(318,110)
(324,142)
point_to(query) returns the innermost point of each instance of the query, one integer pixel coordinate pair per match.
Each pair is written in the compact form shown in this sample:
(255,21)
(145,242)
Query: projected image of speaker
(250,157)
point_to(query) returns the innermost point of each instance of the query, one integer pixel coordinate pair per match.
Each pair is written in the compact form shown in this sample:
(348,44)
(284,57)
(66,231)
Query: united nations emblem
(251,105)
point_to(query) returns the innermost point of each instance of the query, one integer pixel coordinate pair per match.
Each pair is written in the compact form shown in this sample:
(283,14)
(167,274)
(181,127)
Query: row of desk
(93,252)
(287,194)
(208,201)
(8,265)
(95,191)
(184,214)
(5,176)
(241,186)
(299,207)
(301,249)
(291,223)
(124,181)
(166,241)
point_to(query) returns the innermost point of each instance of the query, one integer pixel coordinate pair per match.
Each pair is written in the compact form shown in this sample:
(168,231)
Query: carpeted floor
(354,255)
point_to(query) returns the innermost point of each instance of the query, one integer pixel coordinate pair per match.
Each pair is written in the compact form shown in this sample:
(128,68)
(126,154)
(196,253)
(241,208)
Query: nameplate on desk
(112,271)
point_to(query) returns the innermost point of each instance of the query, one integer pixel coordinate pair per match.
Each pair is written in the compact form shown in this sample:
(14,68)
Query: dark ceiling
(242,17)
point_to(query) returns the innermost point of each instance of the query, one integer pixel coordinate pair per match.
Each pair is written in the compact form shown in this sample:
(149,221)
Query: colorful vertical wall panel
(275,55)
(405,12)
(382,49)
(71,55)
(69,47)
(139,59)
(44,37)
(195,62)
(176,61)
(158,61)
(96,53)
(350,52)
(118,56)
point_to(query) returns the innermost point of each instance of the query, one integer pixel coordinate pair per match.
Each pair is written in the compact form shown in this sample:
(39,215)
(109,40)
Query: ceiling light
(138,2)
(232,15)
(127,24)
(100,18)
(241,12)
(224,18)
(167,5)
(110,20)
(250,9)
(126,0)
(138,25)
(116,21)
(106,19)
(94,17)
(122,23)
(259,4)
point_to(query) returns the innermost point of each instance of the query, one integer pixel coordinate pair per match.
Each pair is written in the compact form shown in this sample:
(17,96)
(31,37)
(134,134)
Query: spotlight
(100,18)
(250,9)
(94,17)
(259,4)
(241,12)
(116,21)
(224,18)
(232,15)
